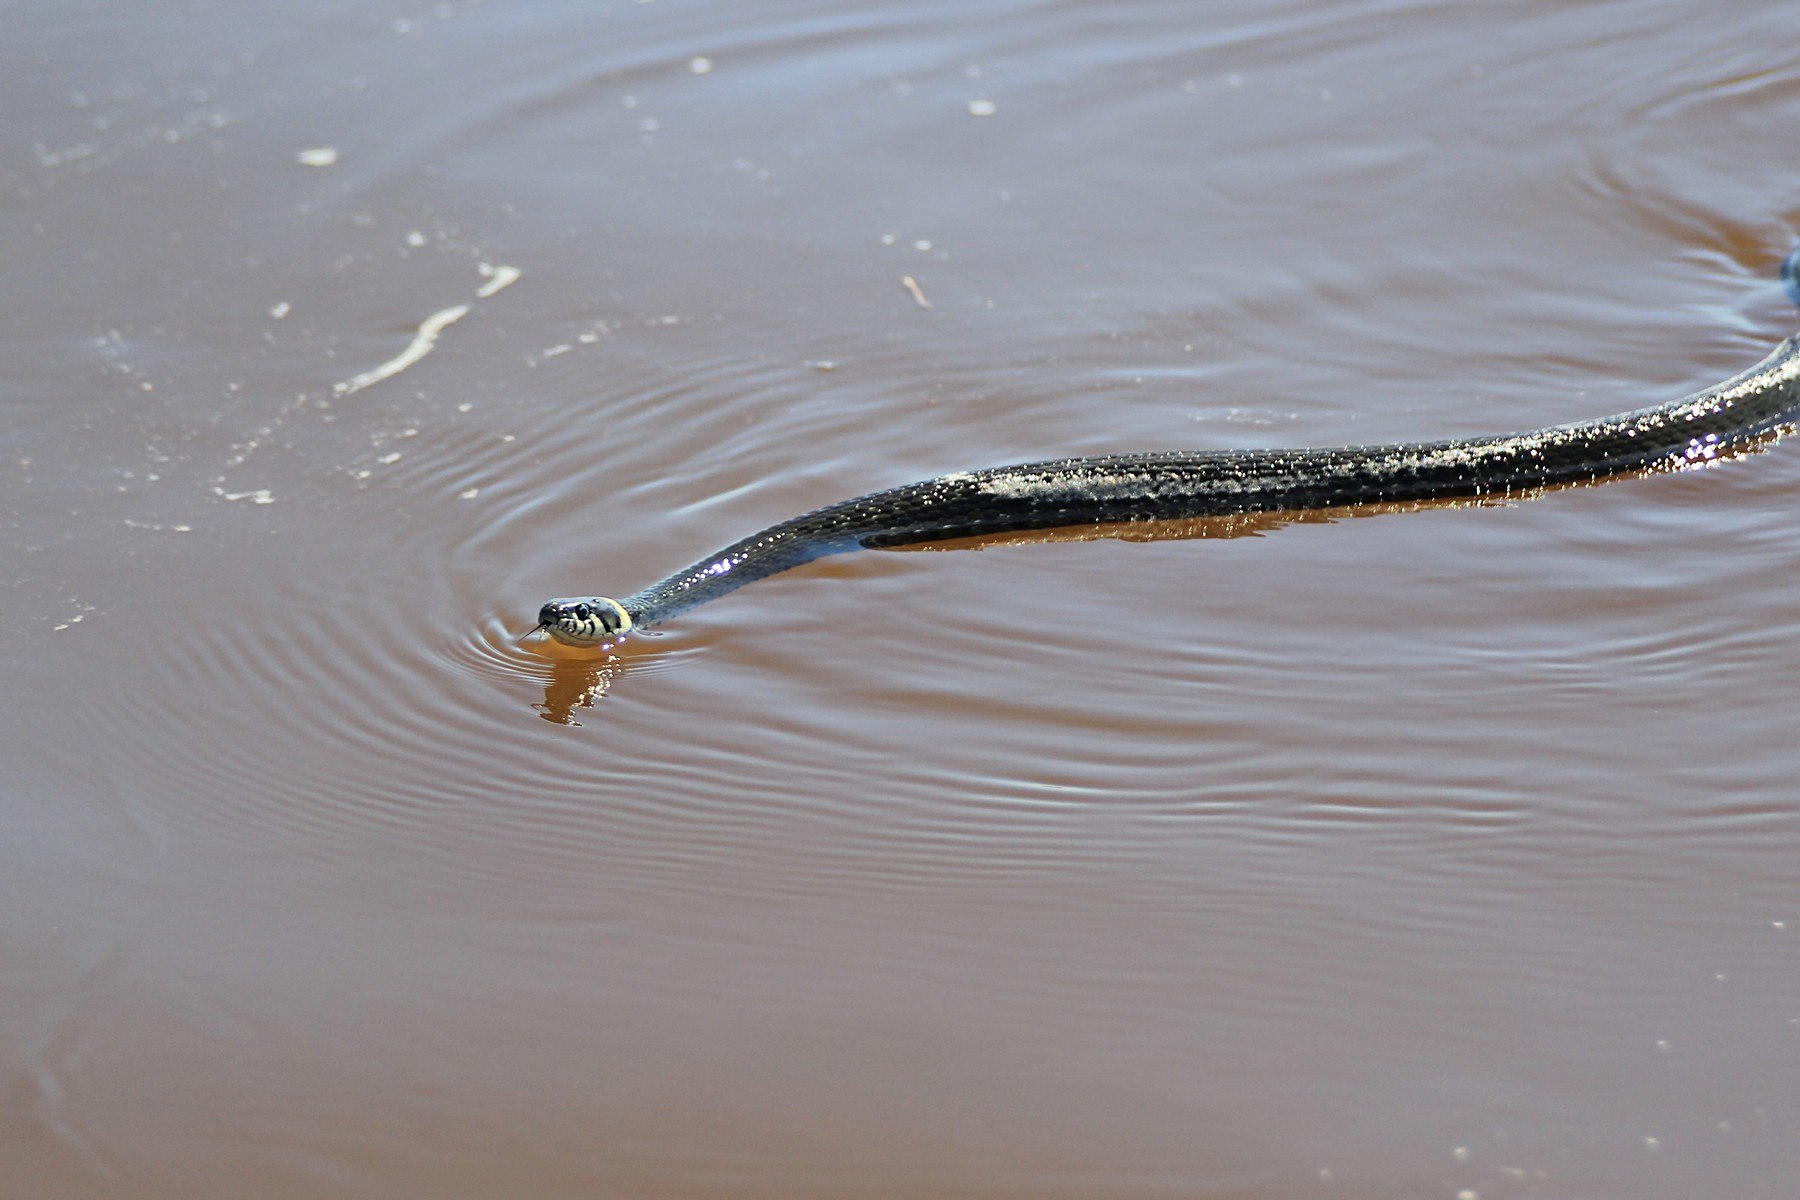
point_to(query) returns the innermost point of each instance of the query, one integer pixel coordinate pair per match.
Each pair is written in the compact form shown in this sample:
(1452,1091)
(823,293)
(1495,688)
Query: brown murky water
(1448,853)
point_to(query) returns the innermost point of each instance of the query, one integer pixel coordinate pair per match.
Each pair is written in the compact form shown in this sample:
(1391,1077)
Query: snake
(1120,489)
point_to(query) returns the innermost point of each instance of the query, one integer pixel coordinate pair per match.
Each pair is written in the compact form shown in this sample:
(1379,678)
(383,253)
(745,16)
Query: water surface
(1435,854)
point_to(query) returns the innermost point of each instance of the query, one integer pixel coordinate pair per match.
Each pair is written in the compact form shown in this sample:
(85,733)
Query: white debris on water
(700,64)
(56,158)
(256,496)
(281,310)
(420,346)
(468,493)
(497,277)
(318,156)
(982,108)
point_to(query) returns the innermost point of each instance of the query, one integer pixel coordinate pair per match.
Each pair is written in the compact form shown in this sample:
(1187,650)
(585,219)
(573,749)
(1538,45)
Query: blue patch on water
(1790,275)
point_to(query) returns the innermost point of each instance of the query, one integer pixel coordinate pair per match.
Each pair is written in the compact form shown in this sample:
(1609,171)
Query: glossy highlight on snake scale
(1171,485)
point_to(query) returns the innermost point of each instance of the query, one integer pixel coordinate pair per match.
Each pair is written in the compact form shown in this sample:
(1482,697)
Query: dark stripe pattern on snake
(1166,485)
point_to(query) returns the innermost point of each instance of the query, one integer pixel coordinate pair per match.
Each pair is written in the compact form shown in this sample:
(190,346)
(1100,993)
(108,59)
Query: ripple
(489,649)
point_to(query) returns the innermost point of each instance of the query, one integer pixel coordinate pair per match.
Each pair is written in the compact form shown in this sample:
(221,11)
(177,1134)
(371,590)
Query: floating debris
(497,277)
(421,346)
(318,156)
(912,285)
(982,108)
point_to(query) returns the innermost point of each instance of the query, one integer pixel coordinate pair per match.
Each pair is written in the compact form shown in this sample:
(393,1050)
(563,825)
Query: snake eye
(583,611)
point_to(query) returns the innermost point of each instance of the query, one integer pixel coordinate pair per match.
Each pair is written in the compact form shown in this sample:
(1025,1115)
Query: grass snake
(1164,485)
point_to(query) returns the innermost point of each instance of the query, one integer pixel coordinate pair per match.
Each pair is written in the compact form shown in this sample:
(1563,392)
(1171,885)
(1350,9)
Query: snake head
(584,620)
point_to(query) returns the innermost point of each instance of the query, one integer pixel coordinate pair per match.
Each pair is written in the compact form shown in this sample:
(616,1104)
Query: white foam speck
(318,156)
(56,158)
(281,310)
(420,346)
(700,64)
(468,493)
(497,277)
(982,108)
(258,496)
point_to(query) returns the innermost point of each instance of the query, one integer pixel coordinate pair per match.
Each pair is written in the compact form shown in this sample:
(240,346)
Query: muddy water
(1443,853)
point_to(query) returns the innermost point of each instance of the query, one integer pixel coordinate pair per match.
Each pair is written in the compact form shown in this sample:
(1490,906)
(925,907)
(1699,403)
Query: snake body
(1166,485)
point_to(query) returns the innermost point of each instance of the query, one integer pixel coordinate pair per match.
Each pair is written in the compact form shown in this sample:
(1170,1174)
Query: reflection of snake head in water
(584,620)
(1123,489)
